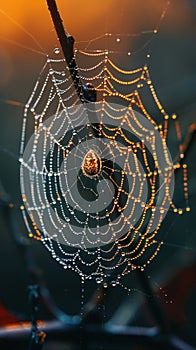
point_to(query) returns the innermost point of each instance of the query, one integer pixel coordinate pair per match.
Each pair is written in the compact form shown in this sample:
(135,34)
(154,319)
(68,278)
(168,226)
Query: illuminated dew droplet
(118,40)
(56,50)
(91,164)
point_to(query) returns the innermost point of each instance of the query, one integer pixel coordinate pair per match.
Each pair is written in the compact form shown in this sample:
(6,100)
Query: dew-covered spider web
(97,178)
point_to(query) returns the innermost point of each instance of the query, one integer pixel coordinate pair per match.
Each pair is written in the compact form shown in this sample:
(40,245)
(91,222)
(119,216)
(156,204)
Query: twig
(67,45)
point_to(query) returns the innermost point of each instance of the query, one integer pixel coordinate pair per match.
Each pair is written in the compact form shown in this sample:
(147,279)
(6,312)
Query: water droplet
(37,116)
(99,280)
(56,50)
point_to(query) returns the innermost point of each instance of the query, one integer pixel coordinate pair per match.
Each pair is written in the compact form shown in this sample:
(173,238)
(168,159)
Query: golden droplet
(91,164)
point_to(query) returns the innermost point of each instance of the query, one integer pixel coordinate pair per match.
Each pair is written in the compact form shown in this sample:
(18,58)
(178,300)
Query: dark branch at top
(67,45)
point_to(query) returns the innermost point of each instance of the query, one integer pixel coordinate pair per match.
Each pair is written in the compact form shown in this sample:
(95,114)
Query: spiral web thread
(59,131)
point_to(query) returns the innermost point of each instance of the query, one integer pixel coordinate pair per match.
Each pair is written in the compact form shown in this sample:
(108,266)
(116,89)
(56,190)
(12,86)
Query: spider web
(103,223)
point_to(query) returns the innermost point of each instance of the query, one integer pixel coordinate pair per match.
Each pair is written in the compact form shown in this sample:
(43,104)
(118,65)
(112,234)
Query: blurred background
(26,37)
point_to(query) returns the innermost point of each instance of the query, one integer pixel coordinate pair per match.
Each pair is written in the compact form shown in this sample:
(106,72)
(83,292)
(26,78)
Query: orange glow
(20,18)
(26,27)
(84,19)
